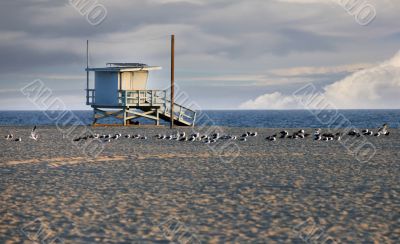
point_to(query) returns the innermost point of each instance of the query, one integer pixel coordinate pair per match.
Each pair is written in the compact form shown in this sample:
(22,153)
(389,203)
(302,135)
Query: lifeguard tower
(120,91)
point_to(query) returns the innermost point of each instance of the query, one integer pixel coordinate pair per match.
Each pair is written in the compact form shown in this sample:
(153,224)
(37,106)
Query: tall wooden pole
(172,79)
(87,66)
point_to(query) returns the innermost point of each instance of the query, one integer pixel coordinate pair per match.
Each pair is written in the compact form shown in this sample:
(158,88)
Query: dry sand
(145,191)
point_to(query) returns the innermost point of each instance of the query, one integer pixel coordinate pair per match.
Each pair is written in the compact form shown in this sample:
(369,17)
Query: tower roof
(122,67)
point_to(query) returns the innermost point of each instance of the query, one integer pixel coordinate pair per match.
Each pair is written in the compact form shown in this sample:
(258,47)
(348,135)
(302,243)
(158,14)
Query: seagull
(10,136)
(253,134)
(271,138)
(383,129)
(367,132)
(284,134)
(243,139)
(216,135)
(353,133)
(18,139)
(33,135)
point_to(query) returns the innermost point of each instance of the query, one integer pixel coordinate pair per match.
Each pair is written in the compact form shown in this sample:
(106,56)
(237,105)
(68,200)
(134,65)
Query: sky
(230,54)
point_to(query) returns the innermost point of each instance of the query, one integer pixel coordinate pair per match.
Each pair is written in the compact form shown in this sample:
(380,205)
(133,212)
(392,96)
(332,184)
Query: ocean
(234,118)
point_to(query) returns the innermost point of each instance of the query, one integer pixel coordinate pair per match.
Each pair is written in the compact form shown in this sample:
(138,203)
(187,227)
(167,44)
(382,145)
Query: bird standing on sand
(384,130)
(34,135)
(353,132)
(9,136)
(284,134)
(317,137)
(367,132)
(271,138)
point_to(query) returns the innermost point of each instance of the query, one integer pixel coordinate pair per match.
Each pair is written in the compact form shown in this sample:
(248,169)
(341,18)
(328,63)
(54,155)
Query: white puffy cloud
(377,87)
(274,100)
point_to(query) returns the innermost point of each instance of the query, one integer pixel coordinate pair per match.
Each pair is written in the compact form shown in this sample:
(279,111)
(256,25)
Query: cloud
(274,100)
(377,87)
(309,70)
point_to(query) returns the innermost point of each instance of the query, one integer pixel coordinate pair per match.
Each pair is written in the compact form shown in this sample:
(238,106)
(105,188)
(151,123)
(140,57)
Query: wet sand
(146,191)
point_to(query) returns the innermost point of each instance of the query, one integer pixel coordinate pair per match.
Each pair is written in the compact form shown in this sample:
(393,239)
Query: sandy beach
(161,191)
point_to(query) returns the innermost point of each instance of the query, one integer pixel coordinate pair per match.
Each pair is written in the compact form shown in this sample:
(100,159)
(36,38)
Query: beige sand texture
(158,191)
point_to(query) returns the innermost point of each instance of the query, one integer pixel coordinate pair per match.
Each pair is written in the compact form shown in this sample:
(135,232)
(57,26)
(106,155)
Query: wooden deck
(153,104)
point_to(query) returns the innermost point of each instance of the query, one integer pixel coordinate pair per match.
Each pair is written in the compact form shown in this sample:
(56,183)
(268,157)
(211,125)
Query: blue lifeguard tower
(120,91)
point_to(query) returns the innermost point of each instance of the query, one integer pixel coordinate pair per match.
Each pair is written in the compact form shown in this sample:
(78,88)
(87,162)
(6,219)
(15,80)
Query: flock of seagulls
(319,136)
(208,139)
(108,137)
(33,136)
